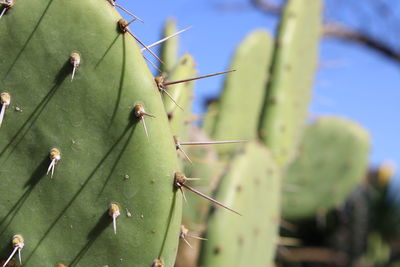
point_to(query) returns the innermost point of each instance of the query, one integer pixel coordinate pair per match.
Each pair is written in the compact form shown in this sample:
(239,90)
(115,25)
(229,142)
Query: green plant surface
(289,91)
(208,166)
(105,155)
(182,93)
(251,186)
(240,104)
(332,160)
(210,116)
(169,49)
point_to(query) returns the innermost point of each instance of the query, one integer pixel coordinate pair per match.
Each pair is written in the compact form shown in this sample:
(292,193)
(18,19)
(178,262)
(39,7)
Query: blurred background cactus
(136,179)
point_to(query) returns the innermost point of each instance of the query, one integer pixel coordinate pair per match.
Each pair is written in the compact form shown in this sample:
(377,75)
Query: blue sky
(352,81)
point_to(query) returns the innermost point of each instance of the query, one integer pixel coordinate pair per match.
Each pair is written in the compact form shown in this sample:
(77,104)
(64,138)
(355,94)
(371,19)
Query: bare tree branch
(341,32)
(336,30)
(267,7)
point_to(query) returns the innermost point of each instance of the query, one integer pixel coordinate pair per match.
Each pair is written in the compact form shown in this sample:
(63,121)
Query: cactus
(87,155)
(105,156)
(240,104)
(169,50)
(295,62)
(252,58)
(182,94)
(210,116)
(252,186)
(333,157)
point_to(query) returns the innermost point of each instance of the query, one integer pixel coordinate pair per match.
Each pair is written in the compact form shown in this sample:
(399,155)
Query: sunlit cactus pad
(252,187)
(332,159)
(105,156)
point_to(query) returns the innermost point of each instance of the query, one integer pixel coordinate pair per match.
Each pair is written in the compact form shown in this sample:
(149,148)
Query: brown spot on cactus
(170,115)
(218,249)
(241,240)
(238,188)
(5,100)
(61,265)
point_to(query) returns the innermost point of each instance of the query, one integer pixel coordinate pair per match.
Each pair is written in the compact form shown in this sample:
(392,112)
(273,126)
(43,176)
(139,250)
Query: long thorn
(3,12)
(124,9)
(115,224)
(51,167)
(172,99)
(211,143)
(145,128)
(197,78)
(183,195)
(52,170)
(165,39)
(186,156)
(9,258)
(3,110)
(196,237)
(19,256)
(142,44)
(73,73)
(148,114)
(187,242)
(152,64)
(209,198)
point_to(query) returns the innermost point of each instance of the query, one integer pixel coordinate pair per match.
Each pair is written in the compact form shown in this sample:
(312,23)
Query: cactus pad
(105,155)
(252,187)
(332,159)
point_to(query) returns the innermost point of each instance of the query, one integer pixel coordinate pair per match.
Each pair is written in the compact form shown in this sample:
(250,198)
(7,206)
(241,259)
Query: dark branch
(341,32)
(335,30)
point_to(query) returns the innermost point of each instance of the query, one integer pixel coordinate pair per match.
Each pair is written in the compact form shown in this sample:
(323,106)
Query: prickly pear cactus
(252,187)
(332,159)
(169,50)
(182,94)
(96,124)
(289,91)
(240,104)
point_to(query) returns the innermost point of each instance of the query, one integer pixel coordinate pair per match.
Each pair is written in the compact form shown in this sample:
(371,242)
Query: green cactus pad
(241,101)
(105,154)
(210,116)
(295,63)
(252,187)
(332,160)
(169,50)
(182,93)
